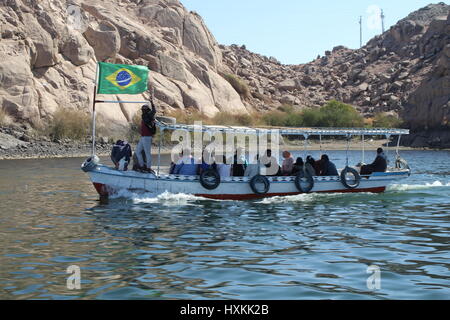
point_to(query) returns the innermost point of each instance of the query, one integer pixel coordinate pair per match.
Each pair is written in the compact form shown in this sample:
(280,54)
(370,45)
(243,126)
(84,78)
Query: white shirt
(224,170)
(251,170)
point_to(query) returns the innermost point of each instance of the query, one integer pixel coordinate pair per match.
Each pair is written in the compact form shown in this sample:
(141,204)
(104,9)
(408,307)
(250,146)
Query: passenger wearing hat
(239,163)
(148,129)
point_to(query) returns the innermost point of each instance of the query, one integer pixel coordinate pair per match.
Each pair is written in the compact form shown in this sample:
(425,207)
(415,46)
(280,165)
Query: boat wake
(147,197)
(314,197)
(327,197)
(175,199)
(412,187)
(168,198)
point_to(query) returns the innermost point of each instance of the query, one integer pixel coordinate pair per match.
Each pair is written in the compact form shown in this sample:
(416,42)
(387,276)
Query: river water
(182,247)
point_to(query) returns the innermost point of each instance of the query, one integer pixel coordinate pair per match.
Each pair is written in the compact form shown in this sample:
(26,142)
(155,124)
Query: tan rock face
(49,50)
(428,105)
(17,93)
(405,71)
(75,48)
(105,40)
(46,47)
(48,57)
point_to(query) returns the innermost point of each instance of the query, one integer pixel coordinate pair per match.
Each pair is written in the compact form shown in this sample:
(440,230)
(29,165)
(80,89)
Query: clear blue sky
(296,31)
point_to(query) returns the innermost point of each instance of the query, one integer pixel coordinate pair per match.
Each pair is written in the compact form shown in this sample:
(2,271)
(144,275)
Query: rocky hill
(49,50)
(404,71)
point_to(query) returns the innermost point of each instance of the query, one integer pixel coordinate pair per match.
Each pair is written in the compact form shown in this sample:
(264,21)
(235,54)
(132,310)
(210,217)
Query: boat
(109,181)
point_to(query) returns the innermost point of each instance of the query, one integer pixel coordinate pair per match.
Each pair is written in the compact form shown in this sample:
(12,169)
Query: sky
(296,31)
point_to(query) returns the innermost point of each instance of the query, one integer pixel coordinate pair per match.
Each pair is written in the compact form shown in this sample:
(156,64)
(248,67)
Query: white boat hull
(108,181)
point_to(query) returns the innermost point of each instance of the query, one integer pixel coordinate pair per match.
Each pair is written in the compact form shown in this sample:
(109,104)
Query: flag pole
(93,110)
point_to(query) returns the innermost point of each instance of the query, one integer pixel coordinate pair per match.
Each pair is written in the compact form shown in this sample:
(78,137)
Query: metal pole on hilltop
(382,20)
(360,31)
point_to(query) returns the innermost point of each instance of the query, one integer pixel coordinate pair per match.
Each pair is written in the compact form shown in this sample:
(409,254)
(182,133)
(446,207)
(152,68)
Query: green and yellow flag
(121,79)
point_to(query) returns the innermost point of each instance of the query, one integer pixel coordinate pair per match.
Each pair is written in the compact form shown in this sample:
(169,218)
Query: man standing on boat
(148,129)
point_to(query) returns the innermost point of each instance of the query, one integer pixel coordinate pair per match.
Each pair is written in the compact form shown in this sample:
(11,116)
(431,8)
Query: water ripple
(313,246)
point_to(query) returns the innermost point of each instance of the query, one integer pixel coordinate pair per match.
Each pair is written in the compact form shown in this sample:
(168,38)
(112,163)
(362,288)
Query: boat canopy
(288,131)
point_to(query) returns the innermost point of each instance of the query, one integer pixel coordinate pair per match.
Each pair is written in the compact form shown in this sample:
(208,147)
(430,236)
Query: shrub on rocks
(71,124)
(337,114)
(239,85)
(225,118)
(386,120)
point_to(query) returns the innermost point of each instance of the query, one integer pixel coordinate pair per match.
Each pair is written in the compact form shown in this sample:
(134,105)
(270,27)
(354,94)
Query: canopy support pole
(320,145)
(348,147)
(388,137)
(159,149)
(257,152)
(306,145)
(363,150)
(397,151)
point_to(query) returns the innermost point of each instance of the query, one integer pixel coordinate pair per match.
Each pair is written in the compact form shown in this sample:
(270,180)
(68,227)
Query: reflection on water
(179,246)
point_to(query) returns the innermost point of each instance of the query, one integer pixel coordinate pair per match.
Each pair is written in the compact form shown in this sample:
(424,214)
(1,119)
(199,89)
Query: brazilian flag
(121,79)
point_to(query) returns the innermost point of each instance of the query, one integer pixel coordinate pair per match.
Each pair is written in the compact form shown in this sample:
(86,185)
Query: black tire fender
(90,163)
(344,180)
(257,180)
(301,178)
(401,163)
(210,179)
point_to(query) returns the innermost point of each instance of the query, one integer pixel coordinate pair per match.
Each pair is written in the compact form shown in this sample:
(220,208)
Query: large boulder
(172,68)
(105,40)
(17,93)
(75,48)
(225,97)
(197,38)
(46,47)
(167,91)
(288,84)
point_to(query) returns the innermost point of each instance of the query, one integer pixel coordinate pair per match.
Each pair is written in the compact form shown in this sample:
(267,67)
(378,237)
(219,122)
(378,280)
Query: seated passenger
(223,168)
(272,168)
(205,164)
(310,169)
(186,165)
(121,155)
(315,165)
(239,164)
(298,166)
(328,167)
(288,164)
(378,165)
(172,167)
(253,169)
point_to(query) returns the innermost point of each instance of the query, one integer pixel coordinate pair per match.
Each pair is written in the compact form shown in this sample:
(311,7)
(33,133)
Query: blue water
(183,247)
